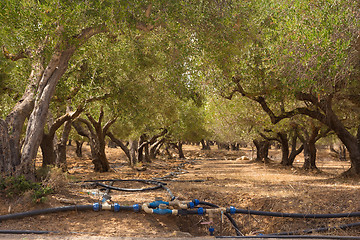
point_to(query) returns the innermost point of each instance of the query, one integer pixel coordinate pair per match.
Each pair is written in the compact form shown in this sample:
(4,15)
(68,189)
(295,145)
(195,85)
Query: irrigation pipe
(109,186)
(45,211)
(25,232)
(233,210)
(322,229)
(238,232)
(292,237)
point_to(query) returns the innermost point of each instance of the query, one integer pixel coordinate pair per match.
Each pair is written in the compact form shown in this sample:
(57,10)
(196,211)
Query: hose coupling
(156,203)
(201,211)
(162,209)
(116,207)
(211,231)
(136,208)
(231,210)
(96,207)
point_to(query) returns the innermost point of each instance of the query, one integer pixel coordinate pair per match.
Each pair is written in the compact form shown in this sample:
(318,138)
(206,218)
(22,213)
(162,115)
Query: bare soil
(226,180)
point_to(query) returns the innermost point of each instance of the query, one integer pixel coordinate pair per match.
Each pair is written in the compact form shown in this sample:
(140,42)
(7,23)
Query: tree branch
(88,124)
(108,124)
(14,57)
(80,130)
(89,32)
(119,143)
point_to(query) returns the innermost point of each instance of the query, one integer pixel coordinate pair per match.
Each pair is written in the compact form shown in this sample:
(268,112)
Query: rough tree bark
(120,144)
(309,140)
(287,157)
(78,150)
(133,148)
(43,81)
(141,150)
(156,142)
(14,122)
(61,146)
(48,147)
(262,150)
(205,145)
(178,146)
(294,150)
(5,149)
(96,135)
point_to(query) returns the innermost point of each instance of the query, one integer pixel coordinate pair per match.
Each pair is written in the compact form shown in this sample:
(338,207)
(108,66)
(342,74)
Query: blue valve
(156,204)
(232,210)
(196,202)
(162,211)
(96,207)
(200,211)
(116,207)
(191,205)
(211,231)
(136,207)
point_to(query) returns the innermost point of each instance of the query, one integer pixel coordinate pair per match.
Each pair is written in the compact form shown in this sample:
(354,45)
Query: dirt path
(222,178)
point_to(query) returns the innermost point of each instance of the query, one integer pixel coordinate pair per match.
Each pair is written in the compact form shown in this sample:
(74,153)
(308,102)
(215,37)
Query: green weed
(16,186)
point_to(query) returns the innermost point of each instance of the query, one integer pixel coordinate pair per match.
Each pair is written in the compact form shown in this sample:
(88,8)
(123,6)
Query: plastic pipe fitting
(201,211)
(136,207)
(96,207)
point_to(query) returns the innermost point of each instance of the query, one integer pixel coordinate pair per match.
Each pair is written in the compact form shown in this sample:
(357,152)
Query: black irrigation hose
(292,237)
(157,183)
(297,215)
(322,229)
(25,232)
(238,233)
(45,211)
(125,180)
(127,189)
(172,197)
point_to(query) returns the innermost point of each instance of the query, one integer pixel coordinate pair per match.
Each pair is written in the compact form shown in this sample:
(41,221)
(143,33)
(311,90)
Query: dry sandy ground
(226,180)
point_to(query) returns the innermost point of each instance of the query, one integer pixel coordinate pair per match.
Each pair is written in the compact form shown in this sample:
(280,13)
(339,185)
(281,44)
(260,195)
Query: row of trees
(159,73)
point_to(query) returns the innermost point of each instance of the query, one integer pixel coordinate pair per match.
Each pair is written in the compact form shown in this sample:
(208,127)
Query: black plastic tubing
(294,215)
(292,237)
(238,232)
(25,232)
(322,229)
(45,211)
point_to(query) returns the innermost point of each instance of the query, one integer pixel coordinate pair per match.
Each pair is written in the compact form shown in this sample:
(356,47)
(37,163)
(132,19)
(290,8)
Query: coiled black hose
(157,183)
(238,233)
(127,189)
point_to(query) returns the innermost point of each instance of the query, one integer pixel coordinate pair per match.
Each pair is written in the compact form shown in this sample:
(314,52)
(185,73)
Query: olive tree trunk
(262,150)
(96,135)
(35,102)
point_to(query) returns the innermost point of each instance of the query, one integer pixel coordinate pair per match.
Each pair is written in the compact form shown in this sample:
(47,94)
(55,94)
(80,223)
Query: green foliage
(16,186)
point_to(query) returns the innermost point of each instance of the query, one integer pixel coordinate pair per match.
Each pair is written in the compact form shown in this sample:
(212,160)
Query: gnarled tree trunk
(48,146)
(294,150)
(78,150)
(61,146)
(178,146)
(96,135)
(205,145)
(262,150)
(11,128)
(44,83)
